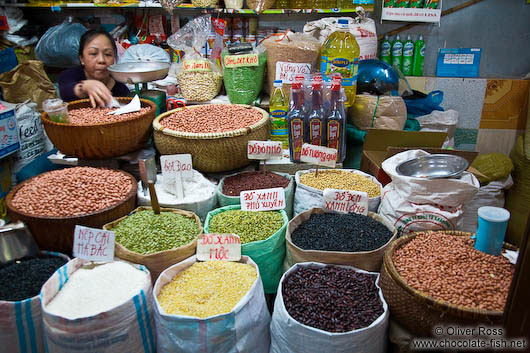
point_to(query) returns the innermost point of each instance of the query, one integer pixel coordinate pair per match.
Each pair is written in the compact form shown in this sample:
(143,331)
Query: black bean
(23,278)
(340,232)
(332,298)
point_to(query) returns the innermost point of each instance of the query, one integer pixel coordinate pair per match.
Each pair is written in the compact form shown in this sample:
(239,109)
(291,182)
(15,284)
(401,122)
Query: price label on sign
(264,149)
(224,247)
(93,244)
(263,200)
(346,201)
(318,155)
(177,163)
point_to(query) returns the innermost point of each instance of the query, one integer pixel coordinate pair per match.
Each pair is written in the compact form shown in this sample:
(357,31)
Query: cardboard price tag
(263,200)
(93,244)
(231,61)
(224,247)
(264,149)
(318,155)
(346,201)
(177,163)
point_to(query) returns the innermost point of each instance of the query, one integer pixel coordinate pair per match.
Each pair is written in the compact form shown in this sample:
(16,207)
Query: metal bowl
(16,242)
(138,72)
(434,166)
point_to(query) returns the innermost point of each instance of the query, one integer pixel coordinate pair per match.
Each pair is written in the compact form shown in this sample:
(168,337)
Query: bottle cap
(299,78)
(278,83)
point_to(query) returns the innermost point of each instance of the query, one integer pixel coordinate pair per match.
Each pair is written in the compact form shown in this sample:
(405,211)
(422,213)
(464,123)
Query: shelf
(80,5)
(411,15)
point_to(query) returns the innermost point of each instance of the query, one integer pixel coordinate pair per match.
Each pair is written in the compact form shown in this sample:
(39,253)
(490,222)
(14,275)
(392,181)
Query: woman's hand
(97,92)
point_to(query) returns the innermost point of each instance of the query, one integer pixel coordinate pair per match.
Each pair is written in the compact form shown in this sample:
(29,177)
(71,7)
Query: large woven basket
(57,233)
(419,312)
(211,152)
(101,141)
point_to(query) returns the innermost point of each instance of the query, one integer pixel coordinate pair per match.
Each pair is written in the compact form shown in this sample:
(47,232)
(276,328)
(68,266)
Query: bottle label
(397,49)
(422,51)
(333,135)
(346,68)
(297,128)
(386,49)
(315,135)
(408,50)
(279,123)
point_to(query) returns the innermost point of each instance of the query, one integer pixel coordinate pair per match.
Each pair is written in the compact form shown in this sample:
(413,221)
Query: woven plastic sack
(379,112)
(268,254)
(21,323)
(518,197)
(290,336)
(126,328)
(244,329)
(59,46)
(306,197)
(236,200)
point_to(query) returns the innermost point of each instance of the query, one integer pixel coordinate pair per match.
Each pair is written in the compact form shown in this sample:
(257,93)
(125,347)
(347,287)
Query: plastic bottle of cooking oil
(279,106)
(340,54)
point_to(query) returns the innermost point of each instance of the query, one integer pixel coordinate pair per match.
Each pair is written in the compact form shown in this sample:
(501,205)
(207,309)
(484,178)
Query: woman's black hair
(90,34)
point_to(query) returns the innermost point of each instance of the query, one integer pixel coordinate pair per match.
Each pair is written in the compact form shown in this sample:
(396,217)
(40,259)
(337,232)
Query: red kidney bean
(233,185)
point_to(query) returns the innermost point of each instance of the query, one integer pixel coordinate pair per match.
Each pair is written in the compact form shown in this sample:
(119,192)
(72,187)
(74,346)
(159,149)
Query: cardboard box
(9,138)
(382,144)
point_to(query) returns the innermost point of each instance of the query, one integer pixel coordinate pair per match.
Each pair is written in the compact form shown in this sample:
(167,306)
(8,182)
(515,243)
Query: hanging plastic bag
(59,46)
(143,53)
(199,79)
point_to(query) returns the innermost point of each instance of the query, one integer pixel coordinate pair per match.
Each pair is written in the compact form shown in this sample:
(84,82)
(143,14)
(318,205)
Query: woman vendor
(97,51)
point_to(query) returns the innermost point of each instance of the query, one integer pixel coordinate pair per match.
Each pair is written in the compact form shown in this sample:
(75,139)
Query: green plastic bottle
(397,53)
(386,51)
(408,54)
(340,54)
(419,55)
(278,108)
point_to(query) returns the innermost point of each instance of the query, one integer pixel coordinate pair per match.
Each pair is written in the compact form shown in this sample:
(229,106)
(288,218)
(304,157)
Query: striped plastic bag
(126,328)
(21,323)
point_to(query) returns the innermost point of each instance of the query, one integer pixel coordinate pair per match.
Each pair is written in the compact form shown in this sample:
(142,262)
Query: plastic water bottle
(408,53)
(386,51)
(397,53)
(419,55)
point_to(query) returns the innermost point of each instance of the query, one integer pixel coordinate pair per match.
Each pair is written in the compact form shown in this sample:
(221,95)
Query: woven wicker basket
(57,233)
(420,313)
(211,152)
(101,141)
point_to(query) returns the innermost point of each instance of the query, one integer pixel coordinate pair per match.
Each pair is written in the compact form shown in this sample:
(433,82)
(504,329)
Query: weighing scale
(141,73)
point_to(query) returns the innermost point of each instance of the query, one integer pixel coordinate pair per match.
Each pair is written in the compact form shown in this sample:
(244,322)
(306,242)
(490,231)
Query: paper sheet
(133,106)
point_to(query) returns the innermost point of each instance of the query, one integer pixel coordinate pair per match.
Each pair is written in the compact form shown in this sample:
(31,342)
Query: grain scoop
(16,242)
(150,166)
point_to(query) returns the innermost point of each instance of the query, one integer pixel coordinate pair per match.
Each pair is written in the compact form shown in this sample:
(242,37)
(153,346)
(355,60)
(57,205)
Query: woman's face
(98,55)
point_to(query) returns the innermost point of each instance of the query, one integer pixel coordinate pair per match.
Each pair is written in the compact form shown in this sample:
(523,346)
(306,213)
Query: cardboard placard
(346,201)
(93,244)
(287,71)
(263,200)
(196,65)
(264,149)
(318,155)
(178,163)
(231,61)
(223,247)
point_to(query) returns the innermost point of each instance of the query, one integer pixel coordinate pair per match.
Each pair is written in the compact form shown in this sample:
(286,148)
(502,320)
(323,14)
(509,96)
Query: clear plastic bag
(260,5)
(379,112)
(59,46)
(199,78)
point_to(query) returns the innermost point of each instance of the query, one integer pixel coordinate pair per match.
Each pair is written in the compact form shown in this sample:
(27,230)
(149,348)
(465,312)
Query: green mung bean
(250,226)
(145,233)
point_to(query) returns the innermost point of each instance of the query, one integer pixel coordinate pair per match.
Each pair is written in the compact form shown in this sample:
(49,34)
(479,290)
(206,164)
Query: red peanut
(95,116)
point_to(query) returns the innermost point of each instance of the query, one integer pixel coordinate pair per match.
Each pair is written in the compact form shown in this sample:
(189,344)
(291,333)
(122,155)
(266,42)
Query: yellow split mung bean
(339,179)
(207,288)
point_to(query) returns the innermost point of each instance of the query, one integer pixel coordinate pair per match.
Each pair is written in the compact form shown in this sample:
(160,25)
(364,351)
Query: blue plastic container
(492,223)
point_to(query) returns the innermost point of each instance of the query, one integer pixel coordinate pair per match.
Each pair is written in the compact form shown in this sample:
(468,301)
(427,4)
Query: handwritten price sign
(318,155)
(177,163)
(93,244)
(263,200)
(346,201)
(224,247)
(264,149)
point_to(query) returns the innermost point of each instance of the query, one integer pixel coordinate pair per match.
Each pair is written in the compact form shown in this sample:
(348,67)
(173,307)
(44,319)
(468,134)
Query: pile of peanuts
(72,192)
(95,116)
(212,118)
(342,180)
(199,86)
(448,267)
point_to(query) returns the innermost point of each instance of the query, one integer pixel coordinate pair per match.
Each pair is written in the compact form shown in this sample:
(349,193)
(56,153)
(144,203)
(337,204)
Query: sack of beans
(262,237)
(231,186)
(328,308)
(20,309)
(199,195)
(335,238)
(102,307)
(416,204)
(156,241)
(212,306)
(310,187)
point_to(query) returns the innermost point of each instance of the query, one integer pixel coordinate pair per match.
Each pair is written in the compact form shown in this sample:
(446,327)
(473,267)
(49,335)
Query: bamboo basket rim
(440,305)
(341,253)
(189,214)
(158,127)
(130,194)
(45,119)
